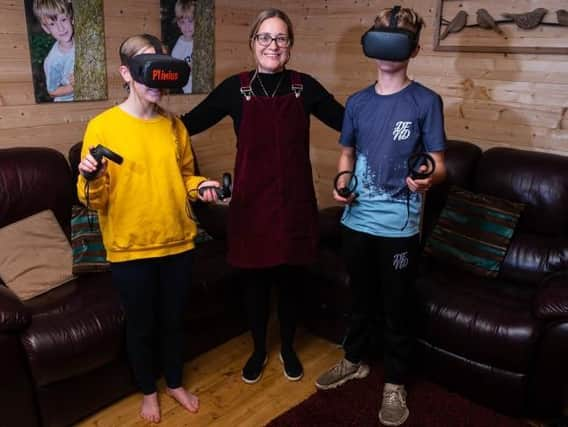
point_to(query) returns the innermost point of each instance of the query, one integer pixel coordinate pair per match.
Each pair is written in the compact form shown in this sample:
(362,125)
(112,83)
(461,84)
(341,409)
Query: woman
(272,228)
(148,235)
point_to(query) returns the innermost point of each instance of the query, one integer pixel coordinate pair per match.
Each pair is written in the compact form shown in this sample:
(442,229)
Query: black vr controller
(390,43)
(415,163)
(160,71)
(223,192)
(98,153)
(345,191)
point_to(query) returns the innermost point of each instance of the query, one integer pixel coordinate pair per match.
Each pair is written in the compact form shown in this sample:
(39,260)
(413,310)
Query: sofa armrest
(13,314)
(551,300)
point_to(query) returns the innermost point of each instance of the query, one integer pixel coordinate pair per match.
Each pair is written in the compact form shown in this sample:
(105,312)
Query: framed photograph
(66,40)
(188,30)
(514,26)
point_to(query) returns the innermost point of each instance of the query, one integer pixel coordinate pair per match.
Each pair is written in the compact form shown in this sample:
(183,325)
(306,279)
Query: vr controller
(98,153)
(415,163)
(223,192)
(160,71)
(347,190)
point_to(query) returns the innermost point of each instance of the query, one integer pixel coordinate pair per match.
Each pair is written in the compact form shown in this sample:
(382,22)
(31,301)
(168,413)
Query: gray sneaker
(393,409)
(341,373)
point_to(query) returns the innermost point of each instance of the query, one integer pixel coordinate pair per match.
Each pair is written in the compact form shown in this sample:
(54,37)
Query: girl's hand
(209,194)
(89,164)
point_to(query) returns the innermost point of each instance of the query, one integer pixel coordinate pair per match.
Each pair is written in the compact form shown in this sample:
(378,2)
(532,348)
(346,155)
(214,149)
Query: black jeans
(154,294)
(382,273)
(257,288)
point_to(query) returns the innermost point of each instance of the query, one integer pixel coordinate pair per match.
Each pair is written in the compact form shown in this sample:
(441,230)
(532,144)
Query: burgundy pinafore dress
(273,210)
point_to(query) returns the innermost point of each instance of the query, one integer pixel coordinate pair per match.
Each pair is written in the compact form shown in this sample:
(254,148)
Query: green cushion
(89,254)
(474,231)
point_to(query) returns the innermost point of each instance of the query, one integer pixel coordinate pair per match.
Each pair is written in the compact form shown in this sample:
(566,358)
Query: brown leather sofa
(502,342)
(61,353)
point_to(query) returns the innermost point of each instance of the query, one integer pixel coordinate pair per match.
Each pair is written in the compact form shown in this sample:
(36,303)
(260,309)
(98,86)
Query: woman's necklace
(257,76)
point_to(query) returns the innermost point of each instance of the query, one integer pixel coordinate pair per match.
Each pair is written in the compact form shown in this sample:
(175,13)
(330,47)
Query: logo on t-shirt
(401,131)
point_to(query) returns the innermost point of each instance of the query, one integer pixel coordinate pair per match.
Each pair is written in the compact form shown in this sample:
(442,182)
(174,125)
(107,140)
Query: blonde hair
(184,7)
(267,14)
(133,46)
(49,9)
(407,19)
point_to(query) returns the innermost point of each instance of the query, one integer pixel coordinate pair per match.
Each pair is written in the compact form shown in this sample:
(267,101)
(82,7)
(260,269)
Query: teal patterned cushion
(89,254)
(474,231)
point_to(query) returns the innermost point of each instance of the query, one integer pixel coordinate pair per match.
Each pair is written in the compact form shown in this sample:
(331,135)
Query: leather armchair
(61,353)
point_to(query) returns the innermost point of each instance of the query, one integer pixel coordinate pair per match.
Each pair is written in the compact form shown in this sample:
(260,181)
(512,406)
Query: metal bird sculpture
(528,20)
(562,16)
(455,25)
(485,20)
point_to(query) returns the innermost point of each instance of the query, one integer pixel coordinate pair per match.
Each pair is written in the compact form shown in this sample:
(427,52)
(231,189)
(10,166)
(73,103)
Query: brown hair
(184,7)
(267,14)
(406,19)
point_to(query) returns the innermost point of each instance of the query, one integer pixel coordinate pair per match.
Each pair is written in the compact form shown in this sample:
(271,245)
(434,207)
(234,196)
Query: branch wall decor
(514,26)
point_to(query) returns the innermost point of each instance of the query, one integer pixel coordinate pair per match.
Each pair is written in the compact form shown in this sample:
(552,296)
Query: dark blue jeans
(154,294)
(382,273)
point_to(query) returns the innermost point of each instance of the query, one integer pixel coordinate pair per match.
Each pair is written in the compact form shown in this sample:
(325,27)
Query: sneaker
(341,373)
(252,372)
(291,366)
(393,409)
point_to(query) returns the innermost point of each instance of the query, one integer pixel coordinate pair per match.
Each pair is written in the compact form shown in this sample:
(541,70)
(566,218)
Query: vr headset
(390,43)
(157,70)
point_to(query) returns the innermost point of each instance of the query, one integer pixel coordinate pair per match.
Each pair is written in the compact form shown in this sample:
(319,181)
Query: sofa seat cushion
(485,320)
(78,329)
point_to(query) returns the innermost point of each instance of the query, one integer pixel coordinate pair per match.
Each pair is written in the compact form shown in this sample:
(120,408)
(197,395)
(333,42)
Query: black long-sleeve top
(226,99)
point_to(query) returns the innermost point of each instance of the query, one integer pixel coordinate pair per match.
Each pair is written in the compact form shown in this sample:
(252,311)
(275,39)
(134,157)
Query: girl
(142,206)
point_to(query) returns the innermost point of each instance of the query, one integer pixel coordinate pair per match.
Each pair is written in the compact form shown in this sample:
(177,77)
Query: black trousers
(154,294)
(257,289)
(382,273)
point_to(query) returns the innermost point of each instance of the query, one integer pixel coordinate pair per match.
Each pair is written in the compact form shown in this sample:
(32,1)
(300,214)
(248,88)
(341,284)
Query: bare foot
(150,409)
(186,399)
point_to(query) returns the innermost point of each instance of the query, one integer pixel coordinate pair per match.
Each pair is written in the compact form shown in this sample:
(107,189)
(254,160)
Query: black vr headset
(390,43)
(157,70)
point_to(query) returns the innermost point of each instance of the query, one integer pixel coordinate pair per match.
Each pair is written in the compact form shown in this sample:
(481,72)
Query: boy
(384,125)
(56,19)
(183,49)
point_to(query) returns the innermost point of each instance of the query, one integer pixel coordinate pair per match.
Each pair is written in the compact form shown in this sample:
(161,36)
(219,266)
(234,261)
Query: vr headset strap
(394,16)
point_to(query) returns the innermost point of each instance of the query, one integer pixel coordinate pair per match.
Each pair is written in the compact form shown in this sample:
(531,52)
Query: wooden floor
(225,399)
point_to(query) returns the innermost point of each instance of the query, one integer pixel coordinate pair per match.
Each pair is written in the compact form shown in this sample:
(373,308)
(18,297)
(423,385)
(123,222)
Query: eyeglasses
(265,39)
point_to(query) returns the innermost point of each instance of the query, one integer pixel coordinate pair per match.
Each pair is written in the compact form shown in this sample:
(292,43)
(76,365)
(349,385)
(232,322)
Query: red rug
(356,404)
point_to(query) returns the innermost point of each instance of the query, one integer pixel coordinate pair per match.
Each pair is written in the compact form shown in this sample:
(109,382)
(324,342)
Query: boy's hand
(419,185)
(89,164)
(344,200)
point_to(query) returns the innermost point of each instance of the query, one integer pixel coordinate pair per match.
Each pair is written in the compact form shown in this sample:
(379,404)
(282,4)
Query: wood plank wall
(490,99)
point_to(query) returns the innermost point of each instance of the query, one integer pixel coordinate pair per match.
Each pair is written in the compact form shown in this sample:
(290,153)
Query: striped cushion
(474,231)
(89,254)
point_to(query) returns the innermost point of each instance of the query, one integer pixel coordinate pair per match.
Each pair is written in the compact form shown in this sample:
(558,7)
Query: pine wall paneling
(516,100)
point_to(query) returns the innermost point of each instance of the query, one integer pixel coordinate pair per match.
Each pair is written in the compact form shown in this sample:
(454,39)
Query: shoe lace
(394,398)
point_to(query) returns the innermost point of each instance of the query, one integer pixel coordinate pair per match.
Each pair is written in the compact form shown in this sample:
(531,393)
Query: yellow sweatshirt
(142,202)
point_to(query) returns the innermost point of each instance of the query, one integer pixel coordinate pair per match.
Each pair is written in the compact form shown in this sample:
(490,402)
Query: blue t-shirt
(385,131)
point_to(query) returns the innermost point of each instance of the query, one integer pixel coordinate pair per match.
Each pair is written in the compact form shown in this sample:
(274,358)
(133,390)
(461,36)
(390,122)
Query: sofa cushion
(35,255)
(485,320)
(89,254)
(474,231)
(75,329)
